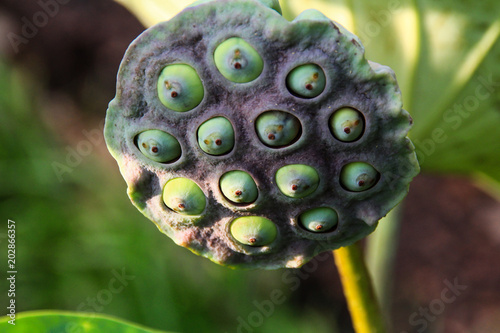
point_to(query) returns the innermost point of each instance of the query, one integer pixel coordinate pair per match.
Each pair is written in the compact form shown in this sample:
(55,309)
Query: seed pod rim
(311,14)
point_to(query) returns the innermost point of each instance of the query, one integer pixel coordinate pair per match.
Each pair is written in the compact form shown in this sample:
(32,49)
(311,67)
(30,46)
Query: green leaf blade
(67,322)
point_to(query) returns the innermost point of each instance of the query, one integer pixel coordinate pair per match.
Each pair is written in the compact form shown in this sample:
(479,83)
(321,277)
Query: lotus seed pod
(184,196)
(216,136)
(238,187)
(321,219)
(358,176)
(347,124)
(306,81)
(278,60)
(180,87)
(277,129)
(254,230)
(238,61)
(159,146)
(297,180)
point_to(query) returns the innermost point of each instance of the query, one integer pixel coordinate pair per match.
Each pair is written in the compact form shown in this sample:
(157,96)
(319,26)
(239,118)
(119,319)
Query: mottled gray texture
(191,37)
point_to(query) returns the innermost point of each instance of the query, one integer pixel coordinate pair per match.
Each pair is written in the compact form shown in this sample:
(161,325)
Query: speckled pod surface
(351,81)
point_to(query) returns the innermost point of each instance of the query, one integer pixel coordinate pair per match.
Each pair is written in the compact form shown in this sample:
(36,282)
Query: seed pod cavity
(238,61)
(321,219)
(253,230)
(347,124)
(277,129)
(297,180)
(306,81)
(184,196)
(158,146)
(180,88)
(238,187)
(358,176)
(216,136)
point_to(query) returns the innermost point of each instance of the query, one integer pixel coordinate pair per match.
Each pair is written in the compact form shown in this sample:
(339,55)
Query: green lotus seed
(306,81)
(319,219)
(347,124)
(238,61)
(180,88)
(277,129)
(358,176)
(216,136)
(159,146)
(253,230)
(238,187)
(184,196)
(297,180)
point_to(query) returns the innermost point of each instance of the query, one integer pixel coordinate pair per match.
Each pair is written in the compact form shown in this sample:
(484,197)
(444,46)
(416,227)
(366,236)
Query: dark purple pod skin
(351,81)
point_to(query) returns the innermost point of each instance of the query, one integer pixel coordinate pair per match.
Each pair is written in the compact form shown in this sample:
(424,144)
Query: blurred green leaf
(68,322)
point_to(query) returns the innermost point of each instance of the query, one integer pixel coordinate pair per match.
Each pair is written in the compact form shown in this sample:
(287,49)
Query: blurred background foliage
(76,227)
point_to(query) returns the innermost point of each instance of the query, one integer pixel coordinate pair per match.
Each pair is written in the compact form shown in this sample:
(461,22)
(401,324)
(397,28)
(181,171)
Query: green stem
(380,254)
(364,309)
